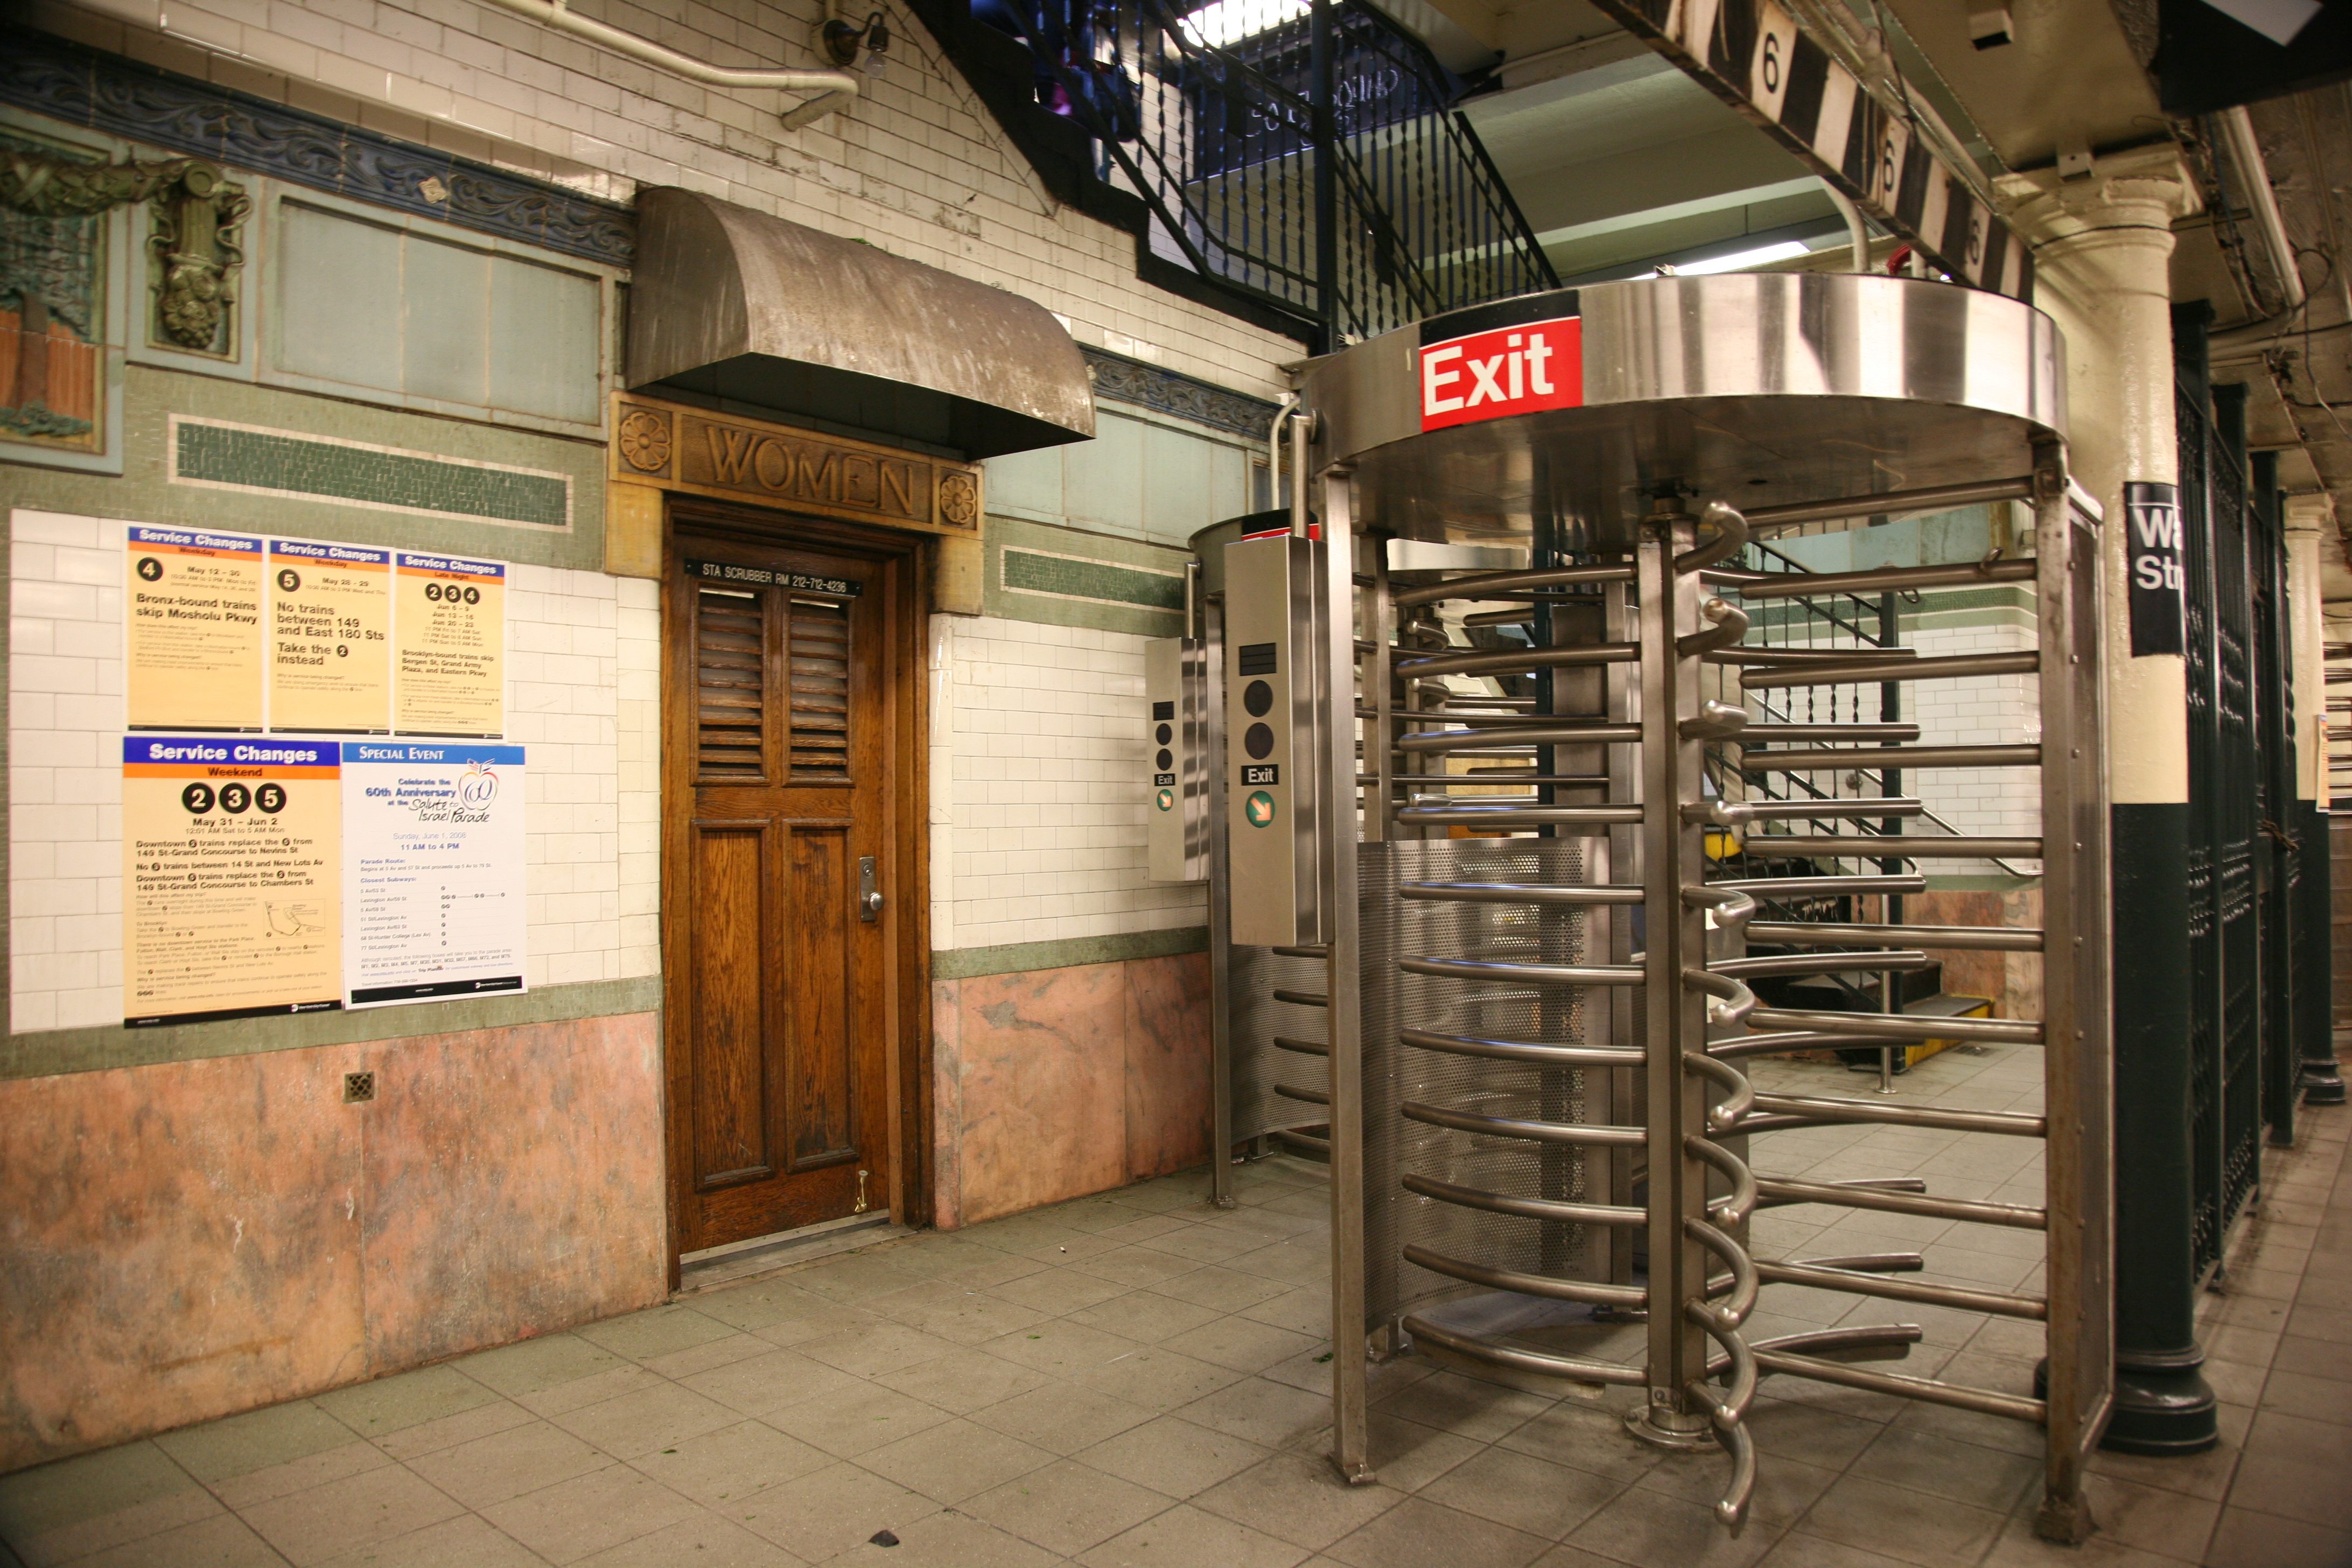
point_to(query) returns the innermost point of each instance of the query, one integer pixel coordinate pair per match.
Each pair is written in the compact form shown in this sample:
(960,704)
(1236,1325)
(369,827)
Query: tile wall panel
(582,695)
(1039,777)
(917,166)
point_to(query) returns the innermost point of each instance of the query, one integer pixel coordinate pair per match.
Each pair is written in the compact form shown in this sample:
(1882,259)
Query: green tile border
(220,454)
(1088,581)
(51,1052)
(971,962)
(1081,574)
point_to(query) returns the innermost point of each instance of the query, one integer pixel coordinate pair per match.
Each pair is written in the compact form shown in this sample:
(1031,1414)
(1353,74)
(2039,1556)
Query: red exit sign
(1509,370)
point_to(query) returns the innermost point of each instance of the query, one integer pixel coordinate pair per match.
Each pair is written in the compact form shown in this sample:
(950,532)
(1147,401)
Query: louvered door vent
(731,636)
(820,676)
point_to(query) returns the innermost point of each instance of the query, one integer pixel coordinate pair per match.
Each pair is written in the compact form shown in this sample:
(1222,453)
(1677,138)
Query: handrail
(1230,151)
(1824,606)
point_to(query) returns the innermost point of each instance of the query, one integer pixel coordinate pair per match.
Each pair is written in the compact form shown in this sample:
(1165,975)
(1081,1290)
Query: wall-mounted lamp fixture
(841,40)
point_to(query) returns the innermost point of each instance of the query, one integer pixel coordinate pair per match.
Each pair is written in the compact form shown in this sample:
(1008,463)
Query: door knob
(869,896)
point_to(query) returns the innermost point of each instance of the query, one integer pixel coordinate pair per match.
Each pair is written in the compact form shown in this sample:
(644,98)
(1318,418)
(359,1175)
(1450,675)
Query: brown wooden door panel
(781,774)
(731,1003)
(820,889)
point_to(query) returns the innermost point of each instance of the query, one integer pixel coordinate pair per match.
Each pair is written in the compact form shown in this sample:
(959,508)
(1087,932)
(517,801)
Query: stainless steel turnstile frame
(1698,1100)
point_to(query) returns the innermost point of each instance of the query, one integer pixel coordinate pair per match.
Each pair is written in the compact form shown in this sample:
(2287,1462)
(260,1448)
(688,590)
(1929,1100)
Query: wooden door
(781,790)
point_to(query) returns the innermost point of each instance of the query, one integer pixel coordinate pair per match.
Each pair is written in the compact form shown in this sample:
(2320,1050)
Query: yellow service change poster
(231,895)
(194,647)
(450,647)
(330,637)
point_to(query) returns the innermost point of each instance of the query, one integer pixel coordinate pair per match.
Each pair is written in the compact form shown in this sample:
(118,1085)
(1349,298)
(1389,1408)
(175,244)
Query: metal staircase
(1832,624)
(1309,173)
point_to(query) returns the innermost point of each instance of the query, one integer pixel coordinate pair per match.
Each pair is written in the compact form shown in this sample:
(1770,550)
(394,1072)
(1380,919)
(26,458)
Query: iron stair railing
(1819,623)
(1318,166)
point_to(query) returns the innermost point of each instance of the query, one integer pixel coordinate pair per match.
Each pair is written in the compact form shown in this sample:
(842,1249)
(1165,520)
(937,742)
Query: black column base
(2321,1082)
(2163,1406)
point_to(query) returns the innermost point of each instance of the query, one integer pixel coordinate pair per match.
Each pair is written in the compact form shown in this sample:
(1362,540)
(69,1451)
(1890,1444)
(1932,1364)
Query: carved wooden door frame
(905,557)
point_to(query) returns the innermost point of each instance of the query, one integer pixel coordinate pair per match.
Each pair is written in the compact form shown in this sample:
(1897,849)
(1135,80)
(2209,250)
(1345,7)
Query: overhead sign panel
(1752,55)
(2216,54)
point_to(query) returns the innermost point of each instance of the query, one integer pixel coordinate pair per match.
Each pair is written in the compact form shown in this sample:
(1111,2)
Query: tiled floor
(1137,1379)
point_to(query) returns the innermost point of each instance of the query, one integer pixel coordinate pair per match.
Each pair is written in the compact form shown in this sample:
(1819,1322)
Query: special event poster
(434,852)
(231,857)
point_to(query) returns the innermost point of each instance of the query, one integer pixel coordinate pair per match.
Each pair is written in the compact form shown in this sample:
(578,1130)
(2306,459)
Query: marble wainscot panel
(514,1184)
(2011,980)
(176,1243)
(1168,1109)
(186,1240)
(946,1104)
(1051,1084)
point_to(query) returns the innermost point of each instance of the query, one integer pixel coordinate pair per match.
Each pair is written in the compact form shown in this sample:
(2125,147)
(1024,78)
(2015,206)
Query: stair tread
(1943,1005)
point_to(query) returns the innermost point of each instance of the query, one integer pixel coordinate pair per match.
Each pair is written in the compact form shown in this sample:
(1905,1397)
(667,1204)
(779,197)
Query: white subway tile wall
(1039,787)
(1983,710)
(583,670)
(917,166)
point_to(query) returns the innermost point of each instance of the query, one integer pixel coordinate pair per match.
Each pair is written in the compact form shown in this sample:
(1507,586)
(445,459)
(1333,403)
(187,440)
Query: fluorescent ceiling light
(1230,21)
(1738,260)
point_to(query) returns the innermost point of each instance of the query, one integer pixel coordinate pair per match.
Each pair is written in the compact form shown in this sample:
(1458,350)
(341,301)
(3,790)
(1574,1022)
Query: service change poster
(449,642)
(330,637)
(433,871)
(192,648)
(231,858)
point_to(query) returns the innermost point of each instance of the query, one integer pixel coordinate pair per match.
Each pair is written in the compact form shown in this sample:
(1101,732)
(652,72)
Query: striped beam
(1752,55)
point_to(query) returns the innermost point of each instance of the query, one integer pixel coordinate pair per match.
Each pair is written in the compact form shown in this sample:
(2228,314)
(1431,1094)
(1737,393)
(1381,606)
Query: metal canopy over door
(781,790)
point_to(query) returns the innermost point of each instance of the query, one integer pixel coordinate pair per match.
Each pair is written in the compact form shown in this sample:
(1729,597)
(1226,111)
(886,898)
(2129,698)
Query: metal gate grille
(2225,815)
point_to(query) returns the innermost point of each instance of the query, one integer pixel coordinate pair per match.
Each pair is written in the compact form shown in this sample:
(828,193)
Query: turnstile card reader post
(1176,814)
(1272,697)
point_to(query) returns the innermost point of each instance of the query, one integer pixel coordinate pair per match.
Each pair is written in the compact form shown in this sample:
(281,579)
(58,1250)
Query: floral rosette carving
(960,499)
(645,441)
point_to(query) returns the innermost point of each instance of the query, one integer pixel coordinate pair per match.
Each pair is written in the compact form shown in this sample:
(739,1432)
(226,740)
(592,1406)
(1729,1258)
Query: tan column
(2310,526)
(2103,244)
(2102,254)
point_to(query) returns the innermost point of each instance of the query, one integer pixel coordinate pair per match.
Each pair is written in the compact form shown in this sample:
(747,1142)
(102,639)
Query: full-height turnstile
(1453,789)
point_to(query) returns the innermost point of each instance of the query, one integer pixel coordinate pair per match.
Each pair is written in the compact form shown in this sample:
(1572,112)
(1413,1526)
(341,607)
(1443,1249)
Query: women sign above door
(231,632)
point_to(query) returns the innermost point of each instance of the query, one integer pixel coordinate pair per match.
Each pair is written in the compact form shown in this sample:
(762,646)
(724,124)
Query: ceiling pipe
(835,88)
(1854,231)
(2236,128)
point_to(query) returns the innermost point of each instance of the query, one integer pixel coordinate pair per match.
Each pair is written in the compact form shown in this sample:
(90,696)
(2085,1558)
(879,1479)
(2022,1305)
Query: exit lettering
(1510,370)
